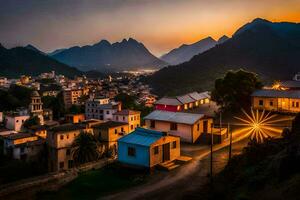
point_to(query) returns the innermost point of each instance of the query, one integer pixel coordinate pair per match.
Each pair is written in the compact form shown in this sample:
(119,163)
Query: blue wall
(141,154)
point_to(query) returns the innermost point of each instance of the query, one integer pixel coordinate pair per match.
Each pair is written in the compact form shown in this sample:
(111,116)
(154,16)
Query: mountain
(33,48)
(185,52)
(104,56)
(270,49)
(222,39)
(55,52)
(21,60)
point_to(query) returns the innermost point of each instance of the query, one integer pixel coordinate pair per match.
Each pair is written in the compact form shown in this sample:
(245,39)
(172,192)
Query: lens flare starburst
(261,125)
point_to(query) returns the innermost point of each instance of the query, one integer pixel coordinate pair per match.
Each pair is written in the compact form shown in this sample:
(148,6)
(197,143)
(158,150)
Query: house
(101,108)
(147,148)
(59,141)
(131,117)
(23,146)
(184,102)
(72,96)
(276,100)
(188,126)
(15,121)
(75,118)
(39,130)
(109,132)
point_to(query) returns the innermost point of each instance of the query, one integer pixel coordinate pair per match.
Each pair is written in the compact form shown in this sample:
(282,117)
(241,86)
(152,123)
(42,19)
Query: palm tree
(85,148)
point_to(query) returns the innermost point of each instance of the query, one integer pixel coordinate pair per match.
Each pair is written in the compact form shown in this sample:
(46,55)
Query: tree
(85,148)
(234,90)
(32,122)
(56,104)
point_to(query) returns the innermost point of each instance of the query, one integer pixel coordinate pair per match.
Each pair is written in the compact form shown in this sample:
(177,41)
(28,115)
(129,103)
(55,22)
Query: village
(159,140)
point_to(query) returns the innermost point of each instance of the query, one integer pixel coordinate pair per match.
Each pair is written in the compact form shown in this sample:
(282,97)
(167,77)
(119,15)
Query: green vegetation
(16,96)
(85,148)
(269,170)
(56,104)
(234,90)
(129,102)
(97,183)
(32,122)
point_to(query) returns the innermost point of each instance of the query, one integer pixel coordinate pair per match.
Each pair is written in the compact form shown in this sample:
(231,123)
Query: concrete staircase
(168,165)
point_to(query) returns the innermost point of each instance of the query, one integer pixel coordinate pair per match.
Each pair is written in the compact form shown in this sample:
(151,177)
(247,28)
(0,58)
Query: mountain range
(186,52)
(30,61)
(104,56)
(272,50)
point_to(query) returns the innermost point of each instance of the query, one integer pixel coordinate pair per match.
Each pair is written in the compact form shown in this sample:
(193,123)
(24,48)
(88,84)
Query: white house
(15,121)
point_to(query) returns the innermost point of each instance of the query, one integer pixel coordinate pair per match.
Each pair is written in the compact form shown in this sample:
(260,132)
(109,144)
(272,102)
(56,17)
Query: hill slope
(21,60)
(103,56)
(270,49)
(186,52)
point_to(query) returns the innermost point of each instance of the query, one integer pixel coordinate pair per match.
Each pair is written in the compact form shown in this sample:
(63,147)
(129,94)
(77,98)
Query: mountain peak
(33,48)
(103,43)
(252,24)
(260,20)
(223,39)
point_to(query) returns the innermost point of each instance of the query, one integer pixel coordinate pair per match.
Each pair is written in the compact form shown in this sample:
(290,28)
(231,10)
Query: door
(205,126)
(166,152)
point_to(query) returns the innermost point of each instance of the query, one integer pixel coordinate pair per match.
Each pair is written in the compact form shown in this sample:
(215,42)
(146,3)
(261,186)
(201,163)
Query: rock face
(186,52)
(104,56)
(270,49)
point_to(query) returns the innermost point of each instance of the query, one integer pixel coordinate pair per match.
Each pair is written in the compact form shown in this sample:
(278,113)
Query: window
(297,104)
(123,118)
(198,127)
(61,165)
(131,127)
(107,112)
(67,136)
(156,150)
(261,102)
(131,118)
(116,131)
(131,151)
(68,152)
(293,104)
(61,137)
(117,118)
(271,103)
(173,126)
(174,144)
(122,129)
(152,124)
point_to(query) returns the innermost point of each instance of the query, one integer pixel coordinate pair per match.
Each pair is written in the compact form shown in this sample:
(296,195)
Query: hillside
(21,60)
(186,52)
(104,56)
(270,49)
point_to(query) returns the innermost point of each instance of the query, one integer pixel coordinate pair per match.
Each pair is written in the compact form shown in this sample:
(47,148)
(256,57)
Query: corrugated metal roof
(185,99)
(199,96)
(277,93)
(141,136)
(168,101)
(176,117)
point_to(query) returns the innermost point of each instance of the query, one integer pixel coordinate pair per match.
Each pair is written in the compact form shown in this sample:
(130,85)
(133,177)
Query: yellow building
(131,117)
(59,141)
(109,132)
(276,100)
(75,118)
(72,96)
(188,126)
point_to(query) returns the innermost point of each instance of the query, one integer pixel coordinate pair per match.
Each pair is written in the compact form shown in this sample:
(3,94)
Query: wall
(15,123)
(167,107)
(141,158)
(174,152)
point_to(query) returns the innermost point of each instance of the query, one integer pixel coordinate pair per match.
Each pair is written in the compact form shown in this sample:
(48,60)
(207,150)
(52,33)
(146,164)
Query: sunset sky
(160,25)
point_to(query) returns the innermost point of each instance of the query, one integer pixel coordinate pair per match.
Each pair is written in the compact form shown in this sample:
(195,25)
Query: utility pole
(230,141)
(211,153)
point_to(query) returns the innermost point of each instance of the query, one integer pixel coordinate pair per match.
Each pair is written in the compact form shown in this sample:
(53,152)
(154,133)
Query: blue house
(147,148)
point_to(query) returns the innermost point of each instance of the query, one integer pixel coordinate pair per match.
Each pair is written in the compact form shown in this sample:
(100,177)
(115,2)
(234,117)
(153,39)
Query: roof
(290,84)
(15,136)
(176,117)
(199,96)
(35,94)
(127,112)
(68,127)
(141,136)
(277,93)
(109,124)
(38,127)
(168,101)
(185,99)
(39,141)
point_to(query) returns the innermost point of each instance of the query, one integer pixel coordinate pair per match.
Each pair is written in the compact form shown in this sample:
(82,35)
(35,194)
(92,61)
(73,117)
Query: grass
(97,183)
